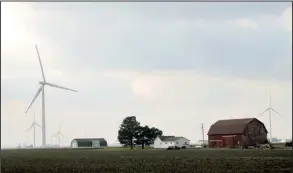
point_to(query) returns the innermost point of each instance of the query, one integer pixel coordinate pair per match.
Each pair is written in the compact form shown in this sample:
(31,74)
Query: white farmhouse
(166,141)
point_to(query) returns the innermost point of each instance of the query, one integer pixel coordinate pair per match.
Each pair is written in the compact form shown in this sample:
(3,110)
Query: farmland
(107,160)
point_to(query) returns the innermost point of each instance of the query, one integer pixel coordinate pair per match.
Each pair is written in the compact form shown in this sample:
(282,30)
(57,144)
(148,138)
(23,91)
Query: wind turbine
(42,89)
(34,124)
(270,109)
(59,135)
(202,131)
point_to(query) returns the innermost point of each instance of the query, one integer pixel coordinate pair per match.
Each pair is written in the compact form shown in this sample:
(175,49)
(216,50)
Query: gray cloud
(126,37)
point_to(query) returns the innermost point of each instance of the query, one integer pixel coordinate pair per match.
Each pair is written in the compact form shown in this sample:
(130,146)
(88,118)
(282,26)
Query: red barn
(237,133)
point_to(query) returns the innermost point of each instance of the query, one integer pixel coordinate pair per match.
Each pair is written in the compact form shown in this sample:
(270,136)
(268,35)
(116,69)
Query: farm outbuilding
(167,141)
(89,143)
(237,133)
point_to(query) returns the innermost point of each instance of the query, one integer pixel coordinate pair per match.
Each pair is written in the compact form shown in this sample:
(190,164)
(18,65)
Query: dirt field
(147,161)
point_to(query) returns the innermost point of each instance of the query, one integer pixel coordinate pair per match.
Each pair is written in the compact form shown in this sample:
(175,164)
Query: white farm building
(166,141)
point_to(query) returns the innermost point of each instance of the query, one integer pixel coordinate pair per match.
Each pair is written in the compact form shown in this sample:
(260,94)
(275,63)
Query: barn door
(228,141)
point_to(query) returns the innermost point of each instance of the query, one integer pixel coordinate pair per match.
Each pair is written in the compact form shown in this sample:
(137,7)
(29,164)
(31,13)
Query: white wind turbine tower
(42,89)
(270,109)
(34,124)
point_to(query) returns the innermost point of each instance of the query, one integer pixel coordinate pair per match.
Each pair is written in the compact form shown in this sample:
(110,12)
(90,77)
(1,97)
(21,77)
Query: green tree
(142,136)
(146,136)
(128,130)
(154,132)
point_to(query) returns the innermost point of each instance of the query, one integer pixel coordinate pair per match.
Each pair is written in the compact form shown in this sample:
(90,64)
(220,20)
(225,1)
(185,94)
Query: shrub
(288,144)
(177,148)
(170,148)
(271,146)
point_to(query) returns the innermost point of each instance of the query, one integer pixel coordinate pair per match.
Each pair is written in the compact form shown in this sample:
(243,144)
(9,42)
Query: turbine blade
(36,95)
(57,86)
(56,135)
(40,63)
(30,127)
(38,125)
(276,112)
(263,112)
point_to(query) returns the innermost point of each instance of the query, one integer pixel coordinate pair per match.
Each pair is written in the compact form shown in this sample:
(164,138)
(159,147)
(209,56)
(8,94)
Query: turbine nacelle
(42,83)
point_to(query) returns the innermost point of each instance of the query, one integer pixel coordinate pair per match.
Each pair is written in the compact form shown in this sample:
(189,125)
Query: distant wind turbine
(202,131)
(42,89)
(270,109)
(58,135)
(34,124)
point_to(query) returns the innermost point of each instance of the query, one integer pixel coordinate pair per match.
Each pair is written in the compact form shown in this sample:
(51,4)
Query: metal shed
(89,143)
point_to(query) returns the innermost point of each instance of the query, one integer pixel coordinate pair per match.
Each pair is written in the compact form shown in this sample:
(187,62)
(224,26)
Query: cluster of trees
(132,133)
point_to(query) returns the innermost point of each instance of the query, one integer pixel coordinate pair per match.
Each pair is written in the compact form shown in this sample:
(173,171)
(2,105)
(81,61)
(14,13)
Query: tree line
(132,133)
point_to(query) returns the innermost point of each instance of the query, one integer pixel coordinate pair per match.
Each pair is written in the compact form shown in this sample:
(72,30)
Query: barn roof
(230,126)
(86,139)
(170,138)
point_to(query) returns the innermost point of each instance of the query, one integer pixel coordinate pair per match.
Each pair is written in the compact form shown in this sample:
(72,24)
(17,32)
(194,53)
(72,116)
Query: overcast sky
(172,65)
